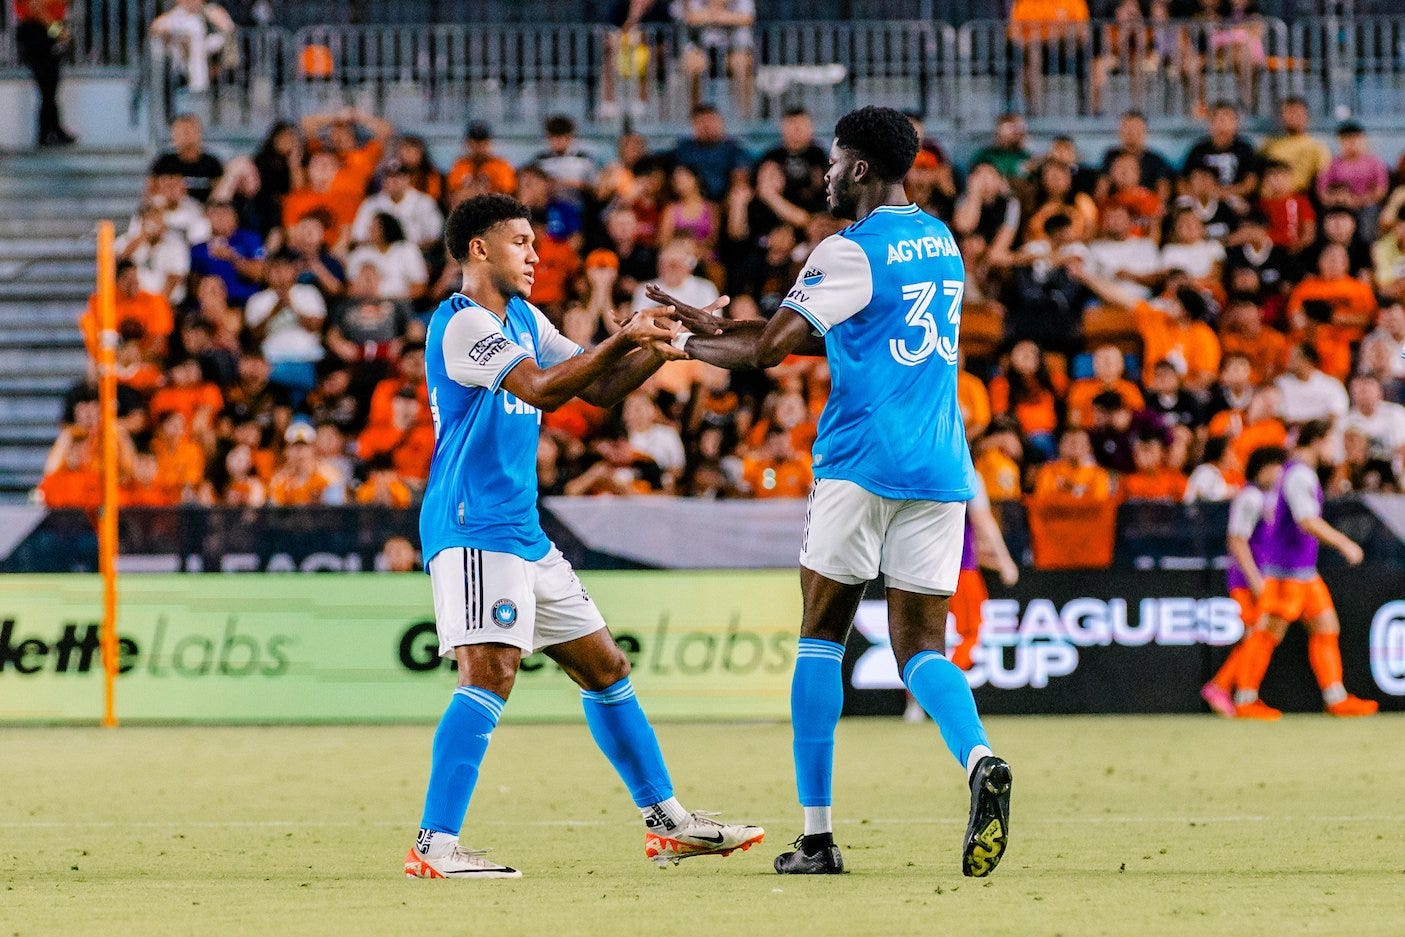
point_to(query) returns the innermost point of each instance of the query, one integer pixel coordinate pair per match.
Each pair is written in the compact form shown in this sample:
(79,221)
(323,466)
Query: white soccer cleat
(443,857)
(699,835)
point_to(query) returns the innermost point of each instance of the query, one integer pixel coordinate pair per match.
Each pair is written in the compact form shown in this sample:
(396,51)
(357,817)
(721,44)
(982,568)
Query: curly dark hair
(884,138)
(474,217)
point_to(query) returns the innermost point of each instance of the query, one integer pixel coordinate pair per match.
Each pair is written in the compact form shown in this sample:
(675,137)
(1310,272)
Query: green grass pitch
(1121,826)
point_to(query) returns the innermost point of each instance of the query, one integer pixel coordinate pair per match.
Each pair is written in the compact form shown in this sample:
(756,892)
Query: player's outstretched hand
(654,330)
(1353,553)
(699,321)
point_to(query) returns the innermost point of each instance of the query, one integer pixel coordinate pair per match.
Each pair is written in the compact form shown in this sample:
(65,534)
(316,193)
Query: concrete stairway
(50,203)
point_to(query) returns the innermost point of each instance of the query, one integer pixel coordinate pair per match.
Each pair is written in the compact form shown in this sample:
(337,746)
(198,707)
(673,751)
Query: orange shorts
(1248,610)
(1294,599)
(966,603)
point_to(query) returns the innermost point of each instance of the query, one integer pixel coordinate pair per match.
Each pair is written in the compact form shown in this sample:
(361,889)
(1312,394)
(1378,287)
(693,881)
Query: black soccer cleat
(988,832)
(823,861)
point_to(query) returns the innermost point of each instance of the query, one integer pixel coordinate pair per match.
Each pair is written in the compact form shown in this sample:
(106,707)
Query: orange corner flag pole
(107,526)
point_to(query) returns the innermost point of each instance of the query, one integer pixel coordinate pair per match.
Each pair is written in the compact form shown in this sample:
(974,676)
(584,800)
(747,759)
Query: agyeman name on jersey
(902,251)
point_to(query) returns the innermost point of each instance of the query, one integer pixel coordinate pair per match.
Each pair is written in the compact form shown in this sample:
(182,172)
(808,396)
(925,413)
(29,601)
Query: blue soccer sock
(622,732)
(940,686)
(816,700)
(459,745)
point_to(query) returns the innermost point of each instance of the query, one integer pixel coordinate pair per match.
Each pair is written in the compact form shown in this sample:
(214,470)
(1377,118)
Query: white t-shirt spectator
(286,339)
(156,263)
(417,213)
(695,291)
(1385,428)
(662,444)
(1136,256)
(1207,483)
(1197,259)
(1321,396)
(401,265)
(185,219)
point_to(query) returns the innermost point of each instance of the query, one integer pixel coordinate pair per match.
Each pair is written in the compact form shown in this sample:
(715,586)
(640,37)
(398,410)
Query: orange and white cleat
(1259,710)
(439,855)
(699,835)
(1354,706)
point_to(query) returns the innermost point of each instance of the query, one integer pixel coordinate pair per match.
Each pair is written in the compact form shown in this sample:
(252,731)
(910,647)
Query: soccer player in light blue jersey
(501,589)
(882,301)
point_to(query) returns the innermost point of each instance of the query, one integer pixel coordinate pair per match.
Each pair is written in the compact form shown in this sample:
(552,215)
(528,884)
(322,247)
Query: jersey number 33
(934,338)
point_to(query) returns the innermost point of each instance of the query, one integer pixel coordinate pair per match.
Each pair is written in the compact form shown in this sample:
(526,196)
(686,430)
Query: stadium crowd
(1133,326)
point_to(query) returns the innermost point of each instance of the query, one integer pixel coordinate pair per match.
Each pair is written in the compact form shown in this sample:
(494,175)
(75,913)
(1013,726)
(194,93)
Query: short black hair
(559,125)
(883,137)
(474,217)
(1310,354)
(795,110)
(1058,221)
(391,227)
(1215,448)
(1313,431)
(1261,458)
(1109,401)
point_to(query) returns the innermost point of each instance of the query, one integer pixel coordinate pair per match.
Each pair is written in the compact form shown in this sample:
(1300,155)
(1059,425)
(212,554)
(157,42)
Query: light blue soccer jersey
(886,295)
(482,490)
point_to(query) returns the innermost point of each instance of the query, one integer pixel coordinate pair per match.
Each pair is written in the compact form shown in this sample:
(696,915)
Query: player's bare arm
(1327,534)
(1238,548)
(549,388)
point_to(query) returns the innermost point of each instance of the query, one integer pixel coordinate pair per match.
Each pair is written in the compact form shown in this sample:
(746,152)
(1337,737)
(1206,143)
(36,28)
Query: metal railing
(105,32)
(514,75)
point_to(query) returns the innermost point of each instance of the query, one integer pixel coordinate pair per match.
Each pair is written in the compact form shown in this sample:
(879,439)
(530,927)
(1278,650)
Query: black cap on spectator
(477,130)
(1349,128)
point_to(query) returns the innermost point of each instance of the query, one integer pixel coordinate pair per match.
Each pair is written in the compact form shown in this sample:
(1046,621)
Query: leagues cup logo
(1388,648)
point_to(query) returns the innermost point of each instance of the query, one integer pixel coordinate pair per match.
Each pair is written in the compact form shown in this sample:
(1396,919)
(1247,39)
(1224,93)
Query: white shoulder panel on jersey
(476,352)
(1245,512)
(835,284)
(1300,490)
(552,347)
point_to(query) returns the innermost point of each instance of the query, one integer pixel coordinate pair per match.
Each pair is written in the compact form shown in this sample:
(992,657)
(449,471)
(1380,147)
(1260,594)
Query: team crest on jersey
(812,277)
(504,613)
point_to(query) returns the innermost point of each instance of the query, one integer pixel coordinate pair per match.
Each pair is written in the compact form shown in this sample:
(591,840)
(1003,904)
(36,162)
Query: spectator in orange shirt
(997,457)
(1046,28)
(302,480)
(1032,394)
(357,161)
(1258,426)
(383,487)
(150,312)
(973,399)
(777,470)
(1124,188)
(407,439)
(1153,479)
(74,483)
(1171,326)
(1073,474)
(1242,332)
(189,394)
(133,369)
(321,190)
(1332,309)
(410,374)
(1109,368)
(480,171)
(145,488)
(180,459)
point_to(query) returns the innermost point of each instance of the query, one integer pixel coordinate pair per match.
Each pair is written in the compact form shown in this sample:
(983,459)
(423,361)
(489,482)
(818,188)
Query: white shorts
(482,597)
(852,535)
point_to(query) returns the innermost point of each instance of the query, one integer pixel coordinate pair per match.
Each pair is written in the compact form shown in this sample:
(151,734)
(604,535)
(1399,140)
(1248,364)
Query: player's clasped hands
(699,321)
(654,330)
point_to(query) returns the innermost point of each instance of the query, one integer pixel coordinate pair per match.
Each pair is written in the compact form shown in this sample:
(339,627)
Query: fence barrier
(513,75)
